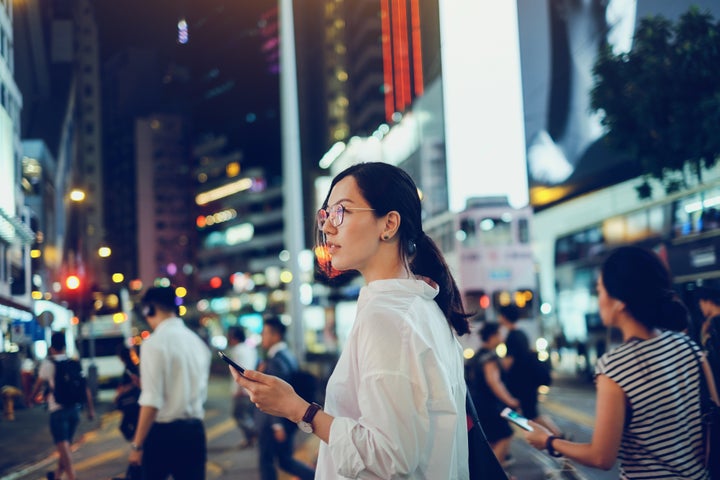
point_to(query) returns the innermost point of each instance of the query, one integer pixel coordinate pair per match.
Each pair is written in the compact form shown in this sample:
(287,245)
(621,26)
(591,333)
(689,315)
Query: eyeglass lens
(335,214)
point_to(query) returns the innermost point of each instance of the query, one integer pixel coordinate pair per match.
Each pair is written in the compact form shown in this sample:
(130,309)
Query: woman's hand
(271,394)
(538,437)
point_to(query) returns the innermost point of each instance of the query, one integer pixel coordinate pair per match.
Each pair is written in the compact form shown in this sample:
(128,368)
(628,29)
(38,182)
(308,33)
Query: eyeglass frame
(339,212)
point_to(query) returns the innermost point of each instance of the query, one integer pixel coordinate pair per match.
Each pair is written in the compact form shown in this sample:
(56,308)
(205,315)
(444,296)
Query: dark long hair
(641,280)
(387,188)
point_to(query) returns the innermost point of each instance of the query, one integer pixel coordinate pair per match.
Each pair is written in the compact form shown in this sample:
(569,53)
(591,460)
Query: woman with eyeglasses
(395,403)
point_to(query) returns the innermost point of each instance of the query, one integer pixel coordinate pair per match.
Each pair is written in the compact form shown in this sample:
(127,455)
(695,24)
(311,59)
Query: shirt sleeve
(391,435)
(151,365)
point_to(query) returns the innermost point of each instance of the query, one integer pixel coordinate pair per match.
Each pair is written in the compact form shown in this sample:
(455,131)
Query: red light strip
(397,54)
(417,49)
(403,38)
(387,59)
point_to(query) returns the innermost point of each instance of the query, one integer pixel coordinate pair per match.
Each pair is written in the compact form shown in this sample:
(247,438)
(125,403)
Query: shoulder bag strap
(706,371)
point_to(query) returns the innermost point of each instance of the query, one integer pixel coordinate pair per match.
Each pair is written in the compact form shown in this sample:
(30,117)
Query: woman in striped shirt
(648,388)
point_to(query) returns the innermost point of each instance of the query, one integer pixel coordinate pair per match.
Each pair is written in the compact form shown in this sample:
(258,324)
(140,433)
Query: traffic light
(72,282)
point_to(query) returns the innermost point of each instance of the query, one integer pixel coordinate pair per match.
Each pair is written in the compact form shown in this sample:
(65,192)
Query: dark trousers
(177,448)
(283,451)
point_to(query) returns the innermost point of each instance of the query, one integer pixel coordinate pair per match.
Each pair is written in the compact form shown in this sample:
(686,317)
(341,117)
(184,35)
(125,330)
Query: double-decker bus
(488,248)
(684,229)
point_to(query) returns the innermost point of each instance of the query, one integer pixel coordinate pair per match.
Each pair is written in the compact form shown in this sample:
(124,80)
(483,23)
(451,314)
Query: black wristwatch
(548,446)
(306,423)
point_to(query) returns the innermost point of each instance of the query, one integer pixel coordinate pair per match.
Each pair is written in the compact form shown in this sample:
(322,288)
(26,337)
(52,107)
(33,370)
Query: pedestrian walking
(521,365)
(648,388)
(64,417)
(485,381)
(277,434)
(708,299)
(395,402)
(243,409)
(174,370)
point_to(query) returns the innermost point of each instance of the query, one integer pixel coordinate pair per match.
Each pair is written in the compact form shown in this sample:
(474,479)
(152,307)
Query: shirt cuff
(342,448)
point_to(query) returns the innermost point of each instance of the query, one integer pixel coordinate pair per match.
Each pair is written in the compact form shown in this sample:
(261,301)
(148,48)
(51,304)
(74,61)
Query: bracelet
(549,447)
(136,447)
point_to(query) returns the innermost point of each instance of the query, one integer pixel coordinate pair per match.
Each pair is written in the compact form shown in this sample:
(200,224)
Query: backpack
(70,385)
(303,382)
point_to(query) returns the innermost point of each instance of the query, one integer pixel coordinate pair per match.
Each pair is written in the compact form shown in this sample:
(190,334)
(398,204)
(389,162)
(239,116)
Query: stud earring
(386,237)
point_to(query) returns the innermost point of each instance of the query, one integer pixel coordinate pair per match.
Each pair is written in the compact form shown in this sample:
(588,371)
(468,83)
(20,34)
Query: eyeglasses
(336,214)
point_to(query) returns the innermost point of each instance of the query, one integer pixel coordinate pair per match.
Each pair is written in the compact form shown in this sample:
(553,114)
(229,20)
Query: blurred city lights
(104,252)
(181,292)
(183,34)
(118,277)
(72,282)
(77,195)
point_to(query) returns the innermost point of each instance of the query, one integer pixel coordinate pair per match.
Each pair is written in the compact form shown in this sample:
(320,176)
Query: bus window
(467,227)
(523,230)
(495,232)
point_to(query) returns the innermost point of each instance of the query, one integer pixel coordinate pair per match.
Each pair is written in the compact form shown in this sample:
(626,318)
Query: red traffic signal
(72,282)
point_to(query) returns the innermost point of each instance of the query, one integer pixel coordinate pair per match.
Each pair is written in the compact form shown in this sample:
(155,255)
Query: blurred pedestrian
(489,393)
(64,419)
(243,409)
(277,434)
(127,393)
(520,363)
(28,375)
(395,402)
(648,388)
(708,299)
(174,370)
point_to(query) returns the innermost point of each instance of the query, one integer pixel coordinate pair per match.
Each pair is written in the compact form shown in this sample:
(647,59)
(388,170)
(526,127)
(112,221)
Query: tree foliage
(661,101)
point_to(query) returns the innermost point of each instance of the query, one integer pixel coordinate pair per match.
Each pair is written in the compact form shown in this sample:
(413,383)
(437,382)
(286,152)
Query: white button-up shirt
(174,371)
(398,391)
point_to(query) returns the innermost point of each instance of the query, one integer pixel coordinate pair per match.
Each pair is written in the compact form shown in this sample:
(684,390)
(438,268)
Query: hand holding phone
(516,418)
(230,362)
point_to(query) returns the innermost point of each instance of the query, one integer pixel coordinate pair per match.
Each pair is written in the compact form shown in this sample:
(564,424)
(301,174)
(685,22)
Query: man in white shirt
(243,409)
(174,367)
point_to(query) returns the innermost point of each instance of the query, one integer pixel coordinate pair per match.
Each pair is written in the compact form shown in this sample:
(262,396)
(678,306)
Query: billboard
(559,44)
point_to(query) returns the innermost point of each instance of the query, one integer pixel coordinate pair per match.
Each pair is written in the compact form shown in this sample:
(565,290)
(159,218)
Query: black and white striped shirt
(662,437)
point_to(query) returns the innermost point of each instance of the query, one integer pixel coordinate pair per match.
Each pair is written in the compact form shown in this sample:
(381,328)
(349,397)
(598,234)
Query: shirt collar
(276,348)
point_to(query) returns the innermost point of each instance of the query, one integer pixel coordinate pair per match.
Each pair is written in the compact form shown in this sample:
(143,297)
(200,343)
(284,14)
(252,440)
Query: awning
(11,309)
(14,230)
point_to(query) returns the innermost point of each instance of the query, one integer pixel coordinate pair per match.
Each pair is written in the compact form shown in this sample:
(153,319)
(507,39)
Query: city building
(164,211)
(16,236)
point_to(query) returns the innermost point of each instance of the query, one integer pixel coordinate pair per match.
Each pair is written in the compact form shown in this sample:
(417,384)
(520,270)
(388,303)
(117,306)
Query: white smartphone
(516,418)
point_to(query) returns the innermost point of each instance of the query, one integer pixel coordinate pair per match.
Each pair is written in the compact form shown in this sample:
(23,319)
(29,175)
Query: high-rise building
(15,233)
(164,213)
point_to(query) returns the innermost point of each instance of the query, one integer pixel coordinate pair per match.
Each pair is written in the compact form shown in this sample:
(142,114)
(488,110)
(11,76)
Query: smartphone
(229,361)
(516,418)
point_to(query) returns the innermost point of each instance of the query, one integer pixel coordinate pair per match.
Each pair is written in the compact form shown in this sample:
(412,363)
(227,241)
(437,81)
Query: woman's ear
(392,224)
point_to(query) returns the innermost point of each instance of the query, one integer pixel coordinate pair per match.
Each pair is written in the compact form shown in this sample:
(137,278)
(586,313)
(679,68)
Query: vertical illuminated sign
(7,164)
(402,54)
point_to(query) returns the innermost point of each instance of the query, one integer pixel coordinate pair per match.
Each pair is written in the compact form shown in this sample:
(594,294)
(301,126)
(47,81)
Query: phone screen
(516,418)
(229,361)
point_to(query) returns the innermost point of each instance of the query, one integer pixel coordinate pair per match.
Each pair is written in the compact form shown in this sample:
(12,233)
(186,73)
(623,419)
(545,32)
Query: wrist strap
(549,447)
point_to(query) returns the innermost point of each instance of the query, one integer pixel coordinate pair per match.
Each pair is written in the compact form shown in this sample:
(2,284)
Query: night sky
(225,51)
